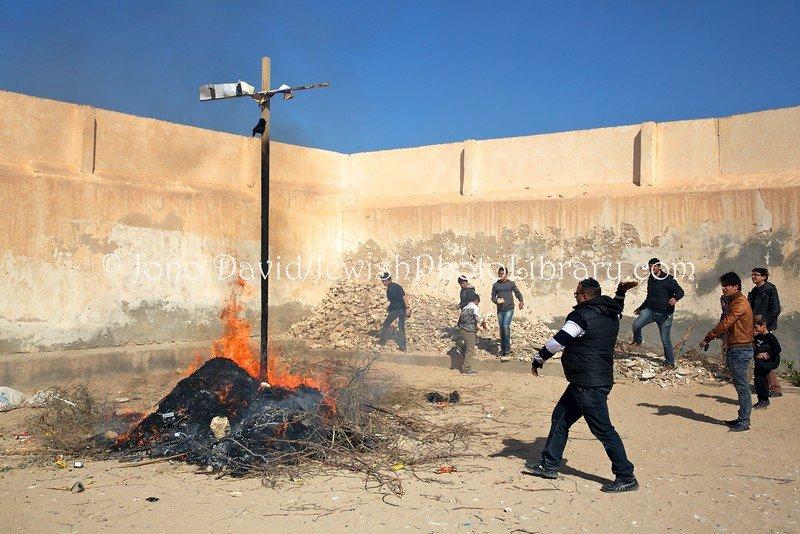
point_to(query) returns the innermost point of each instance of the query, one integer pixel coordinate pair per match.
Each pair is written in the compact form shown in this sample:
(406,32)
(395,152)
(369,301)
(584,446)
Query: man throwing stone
(663,292)
(587,338)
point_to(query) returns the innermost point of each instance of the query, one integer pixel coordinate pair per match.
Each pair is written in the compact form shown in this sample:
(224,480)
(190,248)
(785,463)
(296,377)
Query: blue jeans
(738,359)
(504,318)
(664,322)
(592,404)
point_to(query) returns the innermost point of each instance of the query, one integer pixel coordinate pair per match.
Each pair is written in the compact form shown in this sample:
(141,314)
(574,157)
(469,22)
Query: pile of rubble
(639,363)
(351,314)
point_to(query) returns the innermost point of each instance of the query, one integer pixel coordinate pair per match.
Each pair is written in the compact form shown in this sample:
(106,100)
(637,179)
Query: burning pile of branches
(223,418)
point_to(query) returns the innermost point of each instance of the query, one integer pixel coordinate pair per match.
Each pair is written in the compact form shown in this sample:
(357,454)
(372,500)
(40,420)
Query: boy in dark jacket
(765,302)
(663,292)
(767,358)
(588,338)
(466,294)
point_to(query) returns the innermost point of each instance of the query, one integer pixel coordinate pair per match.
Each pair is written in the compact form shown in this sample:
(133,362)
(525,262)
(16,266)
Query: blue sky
(409,73)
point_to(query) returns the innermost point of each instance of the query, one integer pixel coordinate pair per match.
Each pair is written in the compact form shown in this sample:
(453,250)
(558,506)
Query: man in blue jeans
(503,293)
(587,339)
(736,326)
(663,292)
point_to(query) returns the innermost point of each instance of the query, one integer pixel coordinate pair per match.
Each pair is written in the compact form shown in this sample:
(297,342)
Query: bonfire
(224,419)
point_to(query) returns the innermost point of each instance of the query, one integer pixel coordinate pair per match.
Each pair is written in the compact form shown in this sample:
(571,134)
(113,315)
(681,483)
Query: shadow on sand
(524,450)
(681,411)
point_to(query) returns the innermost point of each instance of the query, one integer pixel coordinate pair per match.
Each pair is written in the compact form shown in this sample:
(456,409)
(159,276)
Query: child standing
(767,357)
(468,323)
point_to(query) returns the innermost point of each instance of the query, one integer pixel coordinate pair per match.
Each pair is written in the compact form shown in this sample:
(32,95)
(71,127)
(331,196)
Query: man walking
(503,293)
(764,301)
(398,310)
(469,321)
(737,326)
(663,292)
(587,338)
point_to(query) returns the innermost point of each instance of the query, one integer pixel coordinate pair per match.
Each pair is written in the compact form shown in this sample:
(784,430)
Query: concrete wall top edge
(50,101)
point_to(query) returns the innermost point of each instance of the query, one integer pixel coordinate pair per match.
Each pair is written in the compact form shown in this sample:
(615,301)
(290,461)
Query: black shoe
(774,394)
(536,469)
(732,422)
(620,485)
(761,405)
(741,426)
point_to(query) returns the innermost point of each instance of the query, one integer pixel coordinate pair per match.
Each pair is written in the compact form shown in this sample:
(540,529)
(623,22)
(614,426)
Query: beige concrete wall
(566,159)
(307,195)
(408,172)
(687,150)
(78,184)
(760,142)
(722,193)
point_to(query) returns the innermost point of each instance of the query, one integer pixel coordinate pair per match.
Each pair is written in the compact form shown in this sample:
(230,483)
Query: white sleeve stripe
(573,329)
(553,346)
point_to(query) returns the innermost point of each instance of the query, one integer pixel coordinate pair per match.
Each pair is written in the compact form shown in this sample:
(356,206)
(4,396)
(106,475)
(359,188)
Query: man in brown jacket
(737,327)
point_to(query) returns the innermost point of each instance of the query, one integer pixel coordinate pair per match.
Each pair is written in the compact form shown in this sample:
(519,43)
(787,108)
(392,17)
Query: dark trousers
(592,405)
(400,315)
(761,371)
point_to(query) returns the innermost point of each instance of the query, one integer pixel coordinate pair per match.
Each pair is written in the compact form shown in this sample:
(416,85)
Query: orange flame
(234,344)
(195,365)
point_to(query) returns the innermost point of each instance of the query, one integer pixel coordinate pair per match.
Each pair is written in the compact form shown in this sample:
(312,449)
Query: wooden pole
(264,351)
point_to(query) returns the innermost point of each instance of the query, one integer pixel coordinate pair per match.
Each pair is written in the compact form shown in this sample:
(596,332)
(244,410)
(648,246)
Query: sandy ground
(694,474)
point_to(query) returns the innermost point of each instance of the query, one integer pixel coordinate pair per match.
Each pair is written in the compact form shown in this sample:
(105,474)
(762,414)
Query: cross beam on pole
(239,89)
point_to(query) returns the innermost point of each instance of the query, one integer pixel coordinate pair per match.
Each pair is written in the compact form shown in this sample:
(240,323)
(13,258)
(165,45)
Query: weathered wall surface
(721,194)
(81,183)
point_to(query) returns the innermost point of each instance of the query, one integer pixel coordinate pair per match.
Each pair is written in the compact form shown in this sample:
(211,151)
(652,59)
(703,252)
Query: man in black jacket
(765,302)
(588,338)
(663,292)
(399,309)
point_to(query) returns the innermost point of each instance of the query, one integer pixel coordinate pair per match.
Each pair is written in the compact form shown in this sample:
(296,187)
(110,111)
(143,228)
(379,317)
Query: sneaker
(761,405)
(668,366)
(773,394)
(741,426)
(620,485)
(536,469)
(470,372)
(637,343)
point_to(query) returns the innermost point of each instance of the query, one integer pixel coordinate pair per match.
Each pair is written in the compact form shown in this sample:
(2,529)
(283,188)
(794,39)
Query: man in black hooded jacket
(587,338)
